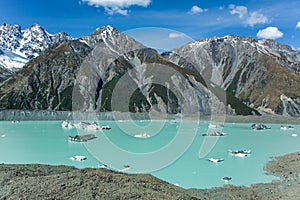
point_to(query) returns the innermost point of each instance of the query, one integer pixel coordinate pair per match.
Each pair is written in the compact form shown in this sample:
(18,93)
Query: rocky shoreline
(34,181)
(287,167)
(48,115)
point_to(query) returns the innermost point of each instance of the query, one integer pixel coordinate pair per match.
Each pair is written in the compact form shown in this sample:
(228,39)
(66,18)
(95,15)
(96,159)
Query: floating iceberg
(226,179)
(67,124)
(286,128)
(217,133)
(78,158)
(126,167)
(215,126)
(215,160)
(103,166)
(90,126)
(259,127)
(142,135)
(82,138)
(240,153)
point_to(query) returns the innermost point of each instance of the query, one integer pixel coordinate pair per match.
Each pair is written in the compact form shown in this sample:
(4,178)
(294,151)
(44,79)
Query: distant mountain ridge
(263,74)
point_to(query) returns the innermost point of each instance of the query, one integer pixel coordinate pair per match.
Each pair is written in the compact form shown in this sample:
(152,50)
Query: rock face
(262,74)
(46,82)
(4,74)
(105,71)
(18,46)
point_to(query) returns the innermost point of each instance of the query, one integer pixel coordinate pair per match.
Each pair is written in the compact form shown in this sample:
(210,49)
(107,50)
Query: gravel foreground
(34,181)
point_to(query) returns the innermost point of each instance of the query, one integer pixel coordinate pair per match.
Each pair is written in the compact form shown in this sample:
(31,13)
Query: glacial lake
(174,159)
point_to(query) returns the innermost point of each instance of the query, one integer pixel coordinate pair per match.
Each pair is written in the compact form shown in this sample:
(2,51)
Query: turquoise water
(46,142)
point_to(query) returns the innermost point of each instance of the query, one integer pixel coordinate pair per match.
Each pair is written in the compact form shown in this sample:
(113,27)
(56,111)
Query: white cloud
(196,10)
(298,25)
(256,18)
(116,10)
(242,11)
(270,32)
(251,18)
(176,35)
(117,6)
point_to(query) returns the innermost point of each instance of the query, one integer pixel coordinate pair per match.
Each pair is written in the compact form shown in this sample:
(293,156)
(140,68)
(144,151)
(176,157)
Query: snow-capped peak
(28,43)
(107,32)
(35,27)
(18,46)
(9,36)
(109,27)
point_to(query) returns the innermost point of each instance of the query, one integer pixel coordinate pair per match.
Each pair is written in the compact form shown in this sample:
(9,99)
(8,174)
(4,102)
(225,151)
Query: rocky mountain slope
(4,74)
(45,82)
(18,46)
(262,74)
(108,70)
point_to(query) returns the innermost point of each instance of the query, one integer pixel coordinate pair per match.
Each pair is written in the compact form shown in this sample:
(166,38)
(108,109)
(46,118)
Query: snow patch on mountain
(12,61)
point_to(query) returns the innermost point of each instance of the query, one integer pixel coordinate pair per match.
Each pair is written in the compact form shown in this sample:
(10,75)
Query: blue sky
(197,19)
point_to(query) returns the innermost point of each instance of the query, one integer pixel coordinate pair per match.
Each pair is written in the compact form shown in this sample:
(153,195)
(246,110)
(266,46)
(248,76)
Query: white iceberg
(215,160)
(78,158)
(67,124)
(142,135)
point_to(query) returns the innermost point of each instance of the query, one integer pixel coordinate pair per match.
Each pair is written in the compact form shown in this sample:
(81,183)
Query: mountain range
(108,70)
